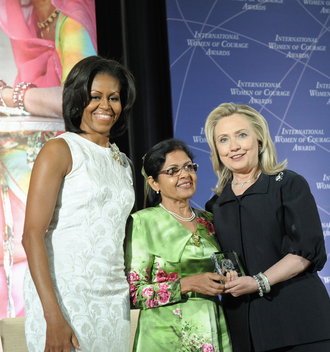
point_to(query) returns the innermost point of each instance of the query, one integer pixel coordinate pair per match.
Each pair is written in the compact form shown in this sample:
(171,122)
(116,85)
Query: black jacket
(271,219)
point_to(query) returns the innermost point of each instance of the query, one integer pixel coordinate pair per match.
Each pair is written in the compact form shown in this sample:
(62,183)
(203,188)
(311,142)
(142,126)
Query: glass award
(226,261)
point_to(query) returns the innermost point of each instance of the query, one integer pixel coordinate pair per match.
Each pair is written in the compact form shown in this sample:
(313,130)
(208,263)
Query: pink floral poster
(37,50)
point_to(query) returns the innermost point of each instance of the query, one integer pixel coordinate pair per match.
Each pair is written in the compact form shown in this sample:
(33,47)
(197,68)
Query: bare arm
(38,101)
(51,166)
(288,267)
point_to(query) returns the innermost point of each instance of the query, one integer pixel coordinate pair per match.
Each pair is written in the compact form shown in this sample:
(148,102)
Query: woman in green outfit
(168,265)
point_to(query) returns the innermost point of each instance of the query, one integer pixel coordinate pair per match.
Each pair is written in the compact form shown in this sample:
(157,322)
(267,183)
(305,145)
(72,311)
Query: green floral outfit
(161,251)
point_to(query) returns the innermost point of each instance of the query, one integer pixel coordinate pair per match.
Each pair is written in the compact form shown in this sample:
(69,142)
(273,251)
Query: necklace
(243,183)
(192,217)
(47,22)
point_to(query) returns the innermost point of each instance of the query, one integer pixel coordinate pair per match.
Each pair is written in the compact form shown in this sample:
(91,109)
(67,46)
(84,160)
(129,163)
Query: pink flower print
(147,276)
(201,221)
(163,287)
(173,276)
(163,293)
(207,347)
(179,313)
(161,276)
(208,225)
(133,289)
(151,303)
(133,276)
(148,291)
(164,296)
(134,299)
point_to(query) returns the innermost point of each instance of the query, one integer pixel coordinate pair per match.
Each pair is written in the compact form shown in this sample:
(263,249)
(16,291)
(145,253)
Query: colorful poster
(40,41)
(270,54)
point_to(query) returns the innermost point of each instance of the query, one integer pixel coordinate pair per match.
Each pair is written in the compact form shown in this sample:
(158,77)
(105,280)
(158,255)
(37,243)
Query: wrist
(53,315)
(184,283)
(19,94)
(263,283)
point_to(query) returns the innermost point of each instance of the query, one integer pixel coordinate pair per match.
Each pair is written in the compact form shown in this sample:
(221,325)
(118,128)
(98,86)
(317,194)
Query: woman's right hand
(205,283)
(60,336)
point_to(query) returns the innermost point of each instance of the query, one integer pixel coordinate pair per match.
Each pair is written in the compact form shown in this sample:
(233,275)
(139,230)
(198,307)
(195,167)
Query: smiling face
(104,108)
(175,188)
(237,144)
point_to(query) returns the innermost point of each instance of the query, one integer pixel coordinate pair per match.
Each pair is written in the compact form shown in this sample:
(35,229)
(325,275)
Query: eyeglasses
(176,171)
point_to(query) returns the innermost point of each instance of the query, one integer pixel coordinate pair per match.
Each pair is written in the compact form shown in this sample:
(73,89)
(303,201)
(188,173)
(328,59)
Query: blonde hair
(267,157)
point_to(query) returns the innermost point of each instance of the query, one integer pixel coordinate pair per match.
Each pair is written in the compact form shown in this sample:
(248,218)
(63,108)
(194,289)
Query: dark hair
(153,162)
(77,92)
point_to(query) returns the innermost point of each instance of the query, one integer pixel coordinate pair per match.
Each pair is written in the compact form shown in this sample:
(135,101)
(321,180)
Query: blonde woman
(268,215)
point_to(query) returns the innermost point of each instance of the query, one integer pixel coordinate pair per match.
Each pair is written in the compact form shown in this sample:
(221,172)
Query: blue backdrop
(272,55)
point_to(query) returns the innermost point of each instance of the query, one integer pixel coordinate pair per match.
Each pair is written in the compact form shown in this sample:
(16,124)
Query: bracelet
(265,282)
(261,293)
(19,92)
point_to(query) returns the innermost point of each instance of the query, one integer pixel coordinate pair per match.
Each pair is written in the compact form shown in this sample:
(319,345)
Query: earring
(260,148)
(157,192)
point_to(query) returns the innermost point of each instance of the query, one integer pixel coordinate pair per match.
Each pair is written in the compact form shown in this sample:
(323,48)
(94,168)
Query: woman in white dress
(81,193)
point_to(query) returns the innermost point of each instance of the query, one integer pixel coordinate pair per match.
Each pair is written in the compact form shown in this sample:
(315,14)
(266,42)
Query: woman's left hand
(241,286)
(288,267)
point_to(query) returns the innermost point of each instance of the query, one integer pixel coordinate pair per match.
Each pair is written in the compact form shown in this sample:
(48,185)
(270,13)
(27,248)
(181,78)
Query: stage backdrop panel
(270,54)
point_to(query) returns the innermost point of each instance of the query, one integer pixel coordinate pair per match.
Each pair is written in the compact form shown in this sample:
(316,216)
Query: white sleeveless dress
(85,249)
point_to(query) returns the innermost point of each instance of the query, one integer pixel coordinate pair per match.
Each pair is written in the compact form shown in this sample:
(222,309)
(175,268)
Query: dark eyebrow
(176,165)
(96,91)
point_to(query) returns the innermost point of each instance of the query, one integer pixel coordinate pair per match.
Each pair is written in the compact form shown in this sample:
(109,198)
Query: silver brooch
(279,177)
(116,154)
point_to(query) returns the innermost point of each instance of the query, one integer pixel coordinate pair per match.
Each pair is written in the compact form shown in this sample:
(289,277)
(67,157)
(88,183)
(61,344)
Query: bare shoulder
(57,143)
(55,155)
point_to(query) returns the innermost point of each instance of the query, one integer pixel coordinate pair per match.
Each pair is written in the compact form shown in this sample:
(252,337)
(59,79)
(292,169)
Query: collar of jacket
(261,186)
(165,236)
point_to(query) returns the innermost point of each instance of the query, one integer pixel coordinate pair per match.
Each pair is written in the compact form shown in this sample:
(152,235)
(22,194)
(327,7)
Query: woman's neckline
(182,223)
(250,183)
(89,141)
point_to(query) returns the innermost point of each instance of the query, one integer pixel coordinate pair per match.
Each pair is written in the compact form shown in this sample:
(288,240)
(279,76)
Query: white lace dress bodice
(85,248)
